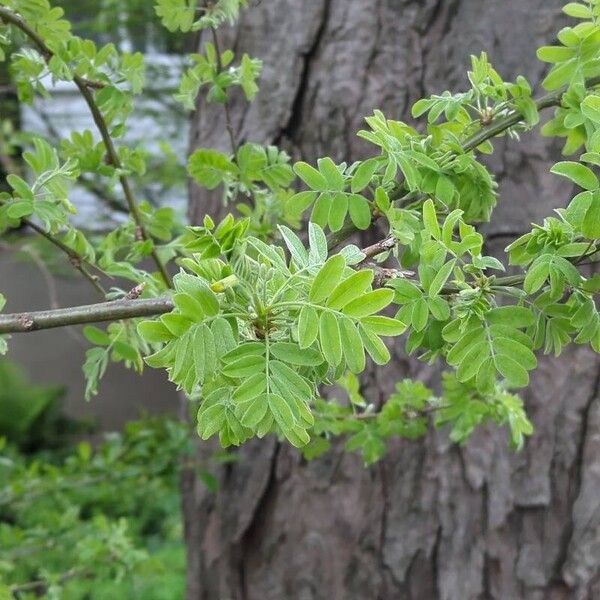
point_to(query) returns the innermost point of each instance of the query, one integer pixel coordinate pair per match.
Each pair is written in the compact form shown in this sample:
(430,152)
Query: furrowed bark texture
(432,520)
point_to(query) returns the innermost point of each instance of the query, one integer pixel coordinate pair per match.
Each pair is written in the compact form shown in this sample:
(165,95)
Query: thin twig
(228,121)
(378,248)
(41,585)
(77,261)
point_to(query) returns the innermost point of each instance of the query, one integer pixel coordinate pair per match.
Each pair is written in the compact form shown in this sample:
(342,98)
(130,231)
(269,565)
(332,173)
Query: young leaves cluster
(254,333)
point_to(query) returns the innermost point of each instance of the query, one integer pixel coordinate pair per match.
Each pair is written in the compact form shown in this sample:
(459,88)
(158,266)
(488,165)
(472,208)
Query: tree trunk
(432,520)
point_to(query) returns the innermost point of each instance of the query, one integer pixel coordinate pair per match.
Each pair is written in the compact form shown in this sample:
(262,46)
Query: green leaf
(176,14)
(591,222)
(210,168)
(514,316)
(284,417)
(294,245)
(176,324)
(204,353)
(560,75)
(20,186)
(537,274)
(486,376)
(473,360)
(289,380)
(244,367)
(250,388)
(381,325)
(292,353)
(369,303)
(255,411)
(444,189)
(363,175)
(225,339)
(430,219)
(308,326)
(353,349)
(590,107)
(374,346)
(420,314)
(555,54)
(516,375)
(522,354)
(405,290)
(335,180)
(321,210)
(18,210)
(199,290)
(576,10)
(350,289)
(360,211)
(338,209)
(97,336)
(184,360)
(441,277)
(577,173)
(327,278)
(243,350)
(464,344)
(310,176)
(96,361)
(329,337)
(317,243)
(299,202)
(189,307)
(124,351)
(211,420)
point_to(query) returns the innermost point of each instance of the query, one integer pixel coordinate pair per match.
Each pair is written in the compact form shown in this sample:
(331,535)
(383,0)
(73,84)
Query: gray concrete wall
(56,356)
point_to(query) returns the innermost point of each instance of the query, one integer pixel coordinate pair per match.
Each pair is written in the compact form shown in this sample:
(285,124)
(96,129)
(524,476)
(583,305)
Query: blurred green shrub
(31,417)
(100,523)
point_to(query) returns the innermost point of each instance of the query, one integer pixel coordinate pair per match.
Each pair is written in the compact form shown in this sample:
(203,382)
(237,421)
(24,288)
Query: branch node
(135,292)
(26,322)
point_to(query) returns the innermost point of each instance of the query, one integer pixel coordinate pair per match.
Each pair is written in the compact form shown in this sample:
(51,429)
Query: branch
(378,248)
(501,124)
(228,121)
(495,128)
(84,86)
(113,156)
(40,586)
(75,259)
(79,315)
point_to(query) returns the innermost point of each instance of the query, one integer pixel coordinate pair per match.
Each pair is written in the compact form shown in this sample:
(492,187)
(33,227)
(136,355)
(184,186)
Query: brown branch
(78,315)
(378,248)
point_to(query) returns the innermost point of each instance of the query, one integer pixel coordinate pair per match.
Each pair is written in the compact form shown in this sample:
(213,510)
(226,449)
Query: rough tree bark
(433,520)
